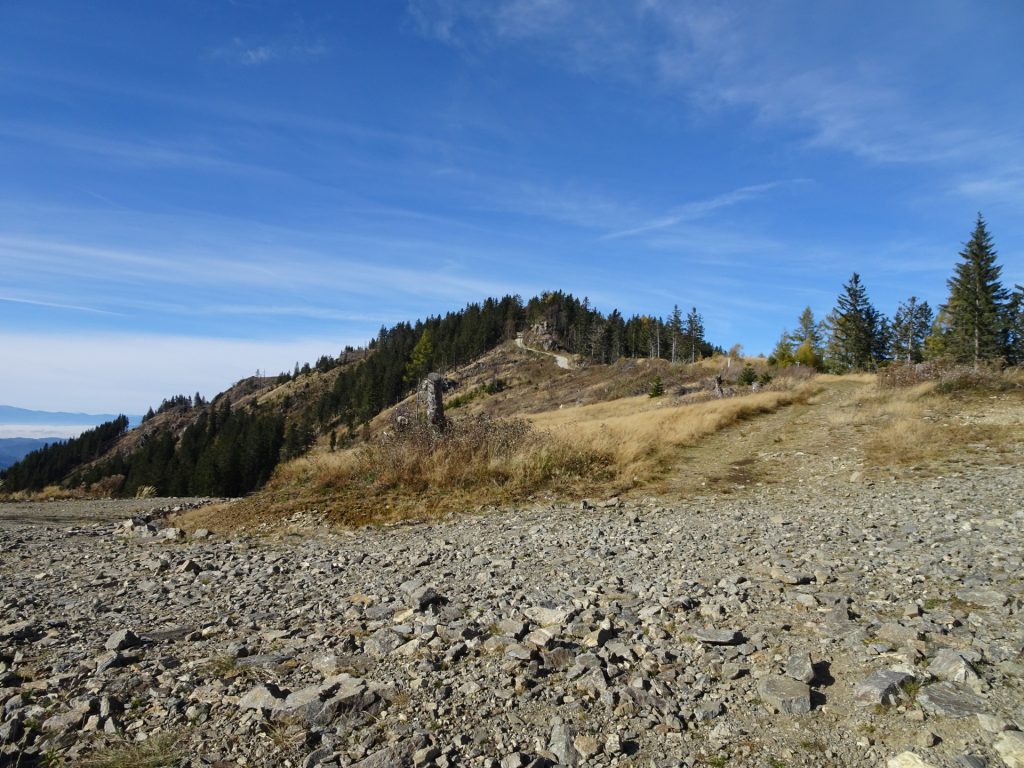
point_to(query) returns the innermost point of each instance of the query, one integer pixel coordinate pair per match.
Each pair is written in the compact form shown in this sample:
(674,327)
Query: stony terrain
(834,621)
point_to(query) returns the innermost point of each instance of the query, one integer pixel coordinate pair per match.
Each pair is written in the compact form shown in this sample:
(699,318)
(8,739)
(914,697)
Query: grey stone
(560,743)
(10,731)
(987,598)
(546,617)
(267,696)
(1010,746)
(907,760)
(122,639)
(800,667)
(951,700)
(949,664)
(885,686)
(20,630)
(430,399)
(781,694)
(718,636)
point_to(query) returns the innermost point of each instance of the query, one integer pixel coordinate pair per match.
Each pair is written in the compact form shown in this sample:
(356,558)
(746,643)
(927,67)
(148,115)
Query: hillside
(230,446)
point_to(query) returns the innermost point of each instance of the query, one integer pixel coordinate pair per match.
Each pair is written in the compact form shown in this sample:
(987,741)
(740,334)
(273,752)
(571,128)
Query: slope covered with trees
(230,445)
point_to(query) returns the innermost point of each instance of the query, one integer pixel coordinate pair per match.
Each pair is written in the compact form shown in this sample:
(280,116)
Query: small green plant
(748,375)
(774,762)
(718,761)
(911,688)
(657,388)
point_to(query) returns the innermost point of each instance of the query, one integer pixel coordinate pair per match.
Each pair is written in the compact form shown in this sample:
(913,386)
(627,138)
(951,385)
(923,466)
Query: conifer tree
(782,355)
(977,304)
(420,360)
(858,330)
(806,340)
(910,328)
(694,333)
(675,329)
(1015,326)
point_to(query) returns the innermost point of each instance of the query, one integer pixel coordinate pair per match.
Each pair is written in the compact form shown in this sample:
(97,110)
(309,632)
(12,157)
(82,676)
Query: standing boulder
(430,401)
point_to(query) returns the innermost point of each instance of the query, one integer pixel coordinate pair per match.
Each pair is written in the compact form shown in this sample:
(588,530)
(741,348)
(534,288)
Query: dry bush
(474,452)
(475,460)
(145,492)
(952,377)
(107,487)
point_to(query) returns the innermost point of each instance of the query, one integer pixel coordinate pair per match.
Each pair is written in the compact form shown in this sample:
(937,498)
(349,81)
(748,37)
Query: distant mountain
(12,449)
(11,415)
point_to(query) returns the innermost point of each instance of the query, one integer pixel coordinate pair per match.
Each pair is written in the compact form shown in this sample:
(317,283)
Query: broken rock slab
(907,760)
(884,686)
(1010,746)
(950,700)
(785,695)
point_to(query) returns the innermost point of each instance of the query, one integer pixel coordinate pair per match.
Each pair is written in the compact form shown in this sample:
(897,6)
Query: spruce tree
(910,328)
(859,331)
(977,304)
(1015,326)
(694,333)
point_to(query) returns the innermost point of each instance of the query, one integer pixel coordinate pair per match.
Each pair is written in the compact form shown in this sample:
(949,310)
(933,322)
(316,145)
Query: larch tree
(807,340)
(977,306)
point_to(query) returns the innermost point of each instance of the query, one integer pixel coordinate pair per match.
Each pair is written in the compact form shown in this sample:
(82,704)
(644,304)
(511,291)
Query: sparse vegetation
(161,750)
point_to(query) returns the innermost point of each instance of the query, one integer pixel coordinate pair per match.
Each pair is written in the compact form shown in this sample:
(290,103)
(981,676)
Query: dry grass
(478,461)
(922,423)
(643,435)
(475,461)
(49,493)
(162,750)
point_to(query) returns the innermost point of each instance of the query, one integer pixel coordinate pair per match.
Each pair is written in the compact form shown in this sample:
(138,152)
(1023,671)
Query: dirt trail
(804,442)
(562,361)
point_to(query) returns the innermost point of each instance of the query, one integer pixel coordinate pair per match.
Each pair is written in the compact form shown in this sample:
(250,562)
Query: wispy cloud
(699,209)
(718,58)
(57,305)
(254,52)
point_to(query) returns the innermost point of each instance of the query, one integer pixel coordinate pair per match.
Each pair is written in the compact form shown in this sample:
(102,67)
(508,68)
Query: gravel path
(825,622)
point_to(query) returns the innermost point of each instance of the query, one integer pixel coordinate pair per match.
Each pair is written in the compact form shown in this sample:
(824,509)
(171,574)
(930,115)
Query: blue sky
(194,190)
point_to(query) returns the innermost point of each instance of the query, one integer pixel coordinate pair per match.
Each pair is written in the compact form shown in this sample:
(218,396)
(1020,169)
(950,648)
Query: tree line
(54,461)
(980,322)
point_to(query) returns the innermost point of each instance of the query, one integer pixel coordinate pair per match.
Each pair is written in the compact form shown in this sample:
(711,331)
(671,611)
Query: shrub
(657,388)
(748,375)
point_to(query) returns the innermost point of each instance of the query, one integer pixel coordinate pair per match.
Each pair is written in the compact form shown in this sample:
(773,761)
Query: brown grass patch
(923,423)
(643,435)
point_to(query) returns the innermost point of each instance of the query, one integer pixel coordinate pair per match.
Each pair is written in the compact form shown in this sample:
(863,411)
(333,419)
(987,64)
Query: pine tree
(910,328)
(694,333)
(977,304)
(858,331)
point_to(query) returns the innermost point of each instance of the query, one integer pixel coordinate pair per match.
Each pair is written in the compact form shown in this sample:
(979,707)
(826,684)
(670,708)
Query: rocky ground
(841,622)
